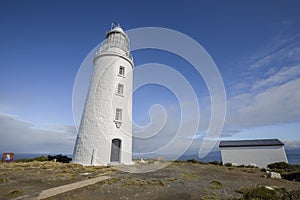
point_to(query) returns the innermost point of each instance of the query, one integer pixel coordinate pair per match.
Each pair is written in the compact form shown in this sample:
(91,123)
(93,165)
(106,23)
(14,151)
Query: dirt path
(69,187)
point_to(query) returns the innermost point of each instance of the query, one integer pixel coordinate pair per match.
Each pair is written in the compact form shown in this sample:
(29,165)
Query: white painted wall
(261,156)
(97,128)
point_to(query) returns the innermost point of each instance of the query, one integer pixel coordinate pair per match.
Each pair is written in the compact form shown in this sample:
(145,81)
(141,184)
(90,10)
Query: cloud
(269,92)
(229,133)
(275,105)
(281,50)
(291,144)
(20,136)
(173,136)
(283,75)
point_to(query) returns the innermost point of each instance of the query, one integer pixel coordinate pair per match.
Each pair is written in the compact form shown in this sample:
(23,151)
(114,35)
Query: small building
(258,153)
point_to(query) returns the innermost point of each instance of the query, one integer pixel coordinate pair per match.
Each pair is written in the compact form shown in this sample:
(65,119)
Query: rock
(269,188)
(85,174)
(275,175)
(142,161)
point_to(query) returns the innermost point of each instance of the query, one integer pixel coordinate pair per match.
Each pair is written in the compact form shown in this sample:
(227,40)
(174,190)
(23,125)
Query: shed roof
(250,143)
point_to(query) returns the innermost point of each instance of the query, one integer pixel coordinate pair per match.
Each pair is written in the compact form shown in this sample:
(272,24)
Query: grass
(216,185)
(213,196)
(142,182)
(15,193)
(58,169)
(189,176)
(4,179)
(171,179)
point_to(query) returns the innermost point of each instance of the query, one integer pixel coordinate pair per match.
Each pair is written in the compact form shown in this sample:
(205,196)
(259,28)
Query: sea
(293,156)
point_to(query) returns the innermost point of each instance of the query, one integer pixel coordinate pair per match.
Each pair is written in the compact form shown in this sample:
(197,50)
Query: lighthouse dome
(116,29)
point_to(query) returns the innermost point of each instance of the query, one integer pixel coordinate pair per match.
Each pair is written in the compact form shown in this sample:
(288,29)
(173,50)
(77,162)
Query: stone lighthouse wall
(98,126)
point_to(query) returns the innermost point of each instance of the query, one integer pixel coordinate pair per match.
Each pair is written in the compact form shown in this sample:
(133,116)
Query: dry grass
(142,182)
(25,178)
(215,185)
(189,176)
(14,193)
(4,179)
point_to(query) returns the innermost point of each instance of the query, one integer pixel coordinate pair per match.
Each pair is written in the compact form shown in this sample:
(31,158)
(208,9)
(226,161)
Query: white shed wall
(260,156)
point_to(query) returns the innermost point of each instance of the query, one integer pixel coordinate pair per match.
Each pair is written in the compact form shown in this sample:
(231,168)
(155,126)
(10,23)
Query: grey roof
(250,143)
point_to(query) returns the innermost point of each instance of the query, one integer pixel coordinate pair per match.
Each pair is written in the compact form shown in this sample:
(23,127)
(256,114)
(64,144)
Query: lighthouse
(105,131)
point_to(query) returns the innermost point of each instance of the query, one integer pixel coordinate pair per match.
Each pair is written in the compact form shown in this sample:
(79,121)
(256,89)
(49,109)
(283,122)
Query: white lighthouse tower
(105,132)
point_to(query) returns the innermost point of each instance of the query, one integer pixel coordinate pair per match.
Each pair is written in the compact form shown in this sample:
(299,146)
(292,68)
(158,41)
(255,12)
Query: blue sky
(255,44)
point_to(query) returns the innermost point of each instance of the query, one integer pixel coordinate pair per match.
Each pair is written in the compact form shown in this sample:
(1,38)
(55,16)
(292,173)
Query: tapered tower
(105,132)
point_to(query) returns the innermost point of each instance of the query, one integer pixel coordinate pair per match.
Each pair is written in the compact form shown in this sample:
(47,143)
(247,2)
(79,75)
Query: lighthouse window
(122,70)
(120,90)
(118,114)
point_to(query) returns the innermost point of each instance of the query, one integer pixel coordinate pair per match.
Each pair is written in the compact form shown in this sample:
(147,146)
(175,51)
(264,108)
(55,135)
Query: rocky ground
(180,180)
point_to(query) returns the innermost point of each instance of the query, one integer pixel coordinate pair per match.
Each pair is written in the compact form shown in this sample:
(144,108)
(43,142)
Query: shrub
(215,163)
(287,171)
(228,164)
(60,158)
(259,193)
(265,193)
(280,167)
(246,166)
(291,176)
(192,161)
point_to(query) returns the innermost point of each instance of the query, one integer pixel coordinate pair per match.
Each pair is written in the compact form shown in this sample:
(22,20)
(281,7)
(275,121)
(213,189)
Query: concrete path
(65,188)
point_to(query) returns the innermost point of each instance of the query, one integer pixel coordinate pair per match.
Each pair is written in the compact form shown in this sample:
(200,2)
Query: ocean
(293,156)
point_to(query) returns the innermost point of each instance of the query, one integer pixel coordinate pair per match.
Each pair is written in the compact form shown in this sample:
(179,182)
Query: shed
(258,153)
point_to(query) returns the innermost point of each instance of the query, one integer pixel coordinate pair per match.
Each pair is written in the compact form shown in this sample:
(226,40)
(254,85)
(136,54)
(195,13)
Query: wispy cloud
(284,75)
(269,92)
(281,50)
(20,136)
(275,105)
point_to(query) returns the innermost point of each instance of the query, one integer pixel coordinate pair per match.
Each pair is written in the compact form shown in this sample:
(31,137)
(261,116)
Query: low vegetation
(268,193)
(287,171)
(40,159)
(195,161)
(215,163)
(57,158)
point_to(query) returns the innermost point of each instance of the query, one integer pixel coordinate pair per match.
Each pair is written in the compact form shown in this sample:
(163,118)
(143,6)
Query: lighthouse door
(115,150)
